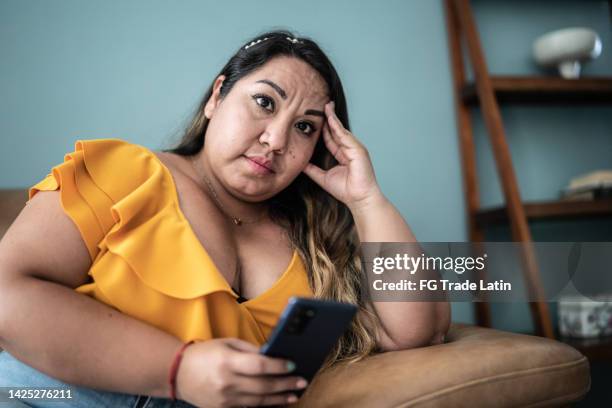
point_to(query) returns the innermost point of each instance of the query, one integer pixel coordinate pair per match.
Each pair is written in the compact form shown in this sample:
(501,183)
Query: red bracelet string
(174,369)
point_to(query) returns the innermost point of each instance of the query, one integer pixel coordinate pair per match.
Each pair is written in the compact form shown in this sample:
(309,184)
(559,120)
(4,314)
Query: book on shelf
(593,186)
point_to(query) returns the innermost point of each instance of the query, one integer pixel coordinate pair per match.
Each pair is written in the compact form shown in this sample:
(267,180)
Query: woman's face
(263,132)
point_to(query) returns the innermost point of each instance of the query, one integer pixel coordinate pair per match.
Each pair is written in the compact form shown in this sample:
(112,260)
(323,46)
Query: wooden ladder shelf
(489,91)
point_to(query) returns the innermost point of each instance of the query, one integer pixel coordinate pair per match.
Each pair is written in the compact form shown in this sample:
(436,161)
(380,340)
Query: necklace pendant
(237,221)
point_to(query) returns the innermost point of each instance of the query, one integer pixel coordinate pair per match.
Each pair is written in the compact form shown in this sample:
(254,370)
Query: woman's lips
(258,167)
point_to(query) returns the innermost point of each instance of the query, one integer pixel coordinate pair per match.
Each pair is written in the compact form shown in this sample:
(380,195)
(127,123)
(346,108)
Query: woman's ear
(215,98)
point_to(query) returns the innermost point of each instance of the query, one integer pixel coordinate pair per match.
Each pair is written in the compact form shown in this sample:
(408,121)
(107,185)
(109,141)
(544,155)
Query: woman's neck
(239,212)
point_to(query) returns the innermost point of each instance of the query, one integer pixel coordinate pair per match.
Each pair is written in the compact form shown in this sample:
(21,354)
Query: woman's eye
(306,128)
(265,102)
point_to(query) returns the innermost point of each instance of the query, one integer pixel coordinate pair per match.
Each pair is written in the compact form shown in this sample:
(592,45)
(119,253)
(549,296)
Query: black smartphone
(307,331)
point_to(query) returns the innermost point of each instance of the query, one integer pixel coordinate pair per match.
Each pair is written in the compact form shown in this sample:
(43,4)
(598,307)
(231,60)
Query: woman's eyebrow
(277,88)
(283,95)
(315,113)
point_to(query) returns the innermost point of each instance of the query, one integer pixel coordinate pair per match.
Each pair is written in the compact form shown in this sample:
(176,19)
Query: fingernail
(333,104)
(291,398)
(301,383)
(290,366)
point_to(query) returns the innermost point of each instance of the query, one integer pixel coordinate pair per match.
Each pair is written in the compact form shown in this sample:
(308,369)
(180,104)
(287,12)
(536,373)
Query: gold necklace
(236,220)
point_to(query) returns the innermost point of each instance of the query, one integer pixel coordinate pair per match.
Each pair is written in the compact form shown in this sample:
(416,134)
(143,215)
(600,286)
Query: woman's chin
(252,195)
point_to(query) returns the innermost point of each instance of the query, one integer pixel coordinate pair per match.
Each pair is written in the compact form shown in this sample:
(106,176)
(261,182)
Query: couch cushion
(475,367)
(11,203)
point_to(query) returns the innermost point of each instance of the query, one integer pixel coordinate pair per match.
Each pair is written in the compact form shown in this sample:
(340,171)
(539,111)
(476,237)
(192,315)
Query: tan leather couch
(475,367)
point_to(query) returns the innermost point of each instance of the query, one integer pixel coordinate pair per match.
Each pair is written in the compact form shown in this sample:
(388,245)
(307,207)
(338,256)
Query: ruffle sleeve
(123,200)
(83,200)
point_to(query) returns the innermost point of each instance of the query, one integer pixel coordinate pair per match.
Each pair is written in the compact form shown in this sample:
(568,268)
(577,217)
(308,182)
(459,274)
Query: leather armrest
(475,367)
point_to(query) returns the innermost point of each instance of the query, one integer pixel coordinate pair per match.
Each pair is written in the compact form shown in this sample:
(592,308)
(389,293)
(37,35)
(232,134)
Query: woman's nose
(276,135)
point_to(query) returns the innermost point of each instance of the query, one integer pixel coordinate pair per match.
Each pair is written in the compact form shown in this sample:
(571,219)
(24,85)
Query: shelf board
(549,90)
(549,210)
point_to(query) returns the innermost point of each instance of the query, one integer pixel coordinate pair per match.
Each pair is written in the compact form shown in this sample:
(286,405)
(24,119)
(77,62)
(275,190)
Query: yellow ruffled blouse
(146,260)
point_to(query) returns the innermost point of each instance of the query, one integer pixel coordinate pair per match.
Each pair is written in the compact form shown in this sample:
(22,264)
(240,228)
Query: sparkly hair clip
(255,43)
(291,40)
(294,40)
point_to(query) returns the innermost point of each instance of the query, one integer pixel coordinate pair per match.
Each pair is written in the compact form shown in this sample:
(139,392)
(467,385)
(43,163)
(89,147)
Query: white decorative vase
(567,49)
(584,317)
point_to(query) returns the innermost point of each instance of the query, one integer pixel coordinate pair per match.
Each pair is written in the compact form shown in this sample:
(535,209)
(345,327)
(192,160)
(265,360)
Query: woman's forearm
(81,341)
(408,324)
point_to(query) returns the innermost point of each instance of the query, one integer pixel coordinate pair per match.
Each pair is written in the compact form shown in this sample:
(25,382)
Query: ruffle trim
(123,200)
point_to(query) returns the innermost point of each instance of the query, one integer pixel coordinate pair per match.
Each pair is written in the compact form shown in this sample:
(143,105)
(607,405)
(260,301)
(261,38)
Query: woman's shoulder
(178,165)
(181,171)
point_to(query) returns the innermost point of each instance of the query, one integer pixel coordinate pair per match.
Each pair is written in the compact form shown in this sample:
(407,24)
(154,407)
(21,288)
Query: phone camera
(299,320)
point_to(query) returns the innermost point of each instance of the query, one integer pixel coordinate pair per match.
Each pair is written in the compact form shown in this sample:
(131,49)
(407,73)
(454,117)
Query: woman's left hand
(352,181)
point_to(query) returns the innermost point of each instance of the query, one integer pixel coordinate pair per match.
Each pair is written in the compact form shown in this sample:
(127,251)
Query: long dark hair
(320,227)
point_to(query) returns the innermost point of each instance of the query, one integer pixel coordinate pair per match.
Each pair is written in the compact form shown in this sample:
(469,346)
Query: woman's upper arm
(43,242)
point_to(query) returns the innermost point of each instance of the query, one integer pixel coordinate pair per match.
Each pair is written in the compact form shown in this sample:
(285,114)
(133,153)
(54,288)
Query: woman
(267,175)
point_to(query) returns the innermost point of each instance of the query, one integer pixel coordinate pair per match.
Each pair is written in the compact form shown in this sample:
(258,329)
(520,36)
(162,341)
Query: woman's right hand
(229,372)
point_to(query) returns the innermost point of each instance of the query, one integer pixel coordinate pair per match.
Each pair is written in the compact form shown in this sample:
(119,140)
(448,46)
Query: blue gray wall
(136,70)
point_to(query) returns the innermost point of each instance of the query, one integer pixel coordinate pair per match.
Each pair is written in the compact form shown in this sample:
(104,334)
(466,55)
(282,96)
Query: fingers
(256,381)
(241,345)
(249,362)
(270,385)
(265,400)
(257,364)
(342,136)
(333,146)
(316,173)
